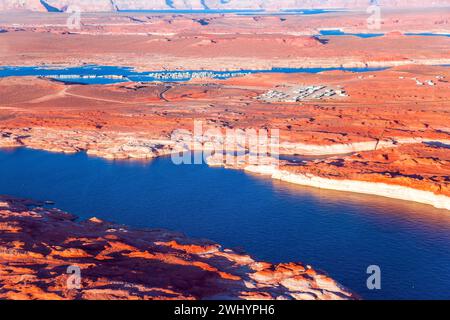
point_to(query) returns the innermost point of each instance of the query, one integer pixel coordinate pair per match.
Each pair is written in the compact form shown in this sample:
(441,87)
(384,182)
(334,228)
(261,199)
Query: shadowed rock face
(271,5)
(38,245)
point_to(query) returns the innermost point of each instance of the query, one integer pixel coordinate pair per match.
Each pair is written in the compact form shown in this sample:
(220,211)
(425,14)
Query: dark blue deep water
(340,233)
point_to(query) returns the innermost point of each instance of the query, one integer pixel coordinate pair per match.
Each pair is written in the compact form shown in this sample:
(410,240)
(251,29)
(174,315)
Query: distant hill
(270,5)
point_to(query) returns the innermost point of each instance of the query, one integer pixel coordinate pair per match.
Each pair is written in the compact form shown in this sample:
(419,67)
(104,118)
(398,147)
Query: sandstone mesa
(175,42)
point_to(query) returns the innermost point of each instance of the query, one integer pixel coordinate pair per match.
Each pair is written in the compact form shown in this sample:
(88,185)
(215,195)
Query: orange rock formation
(116,262)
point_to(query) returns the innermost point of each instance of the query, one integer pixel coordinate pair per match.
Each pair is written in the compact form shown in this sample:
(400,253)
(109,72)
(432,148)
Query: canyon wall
(373,188)
(270,5)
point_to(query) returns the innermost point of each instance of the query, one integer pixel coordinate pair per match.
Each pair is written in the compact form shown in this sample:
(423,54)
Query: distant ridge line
(197,5)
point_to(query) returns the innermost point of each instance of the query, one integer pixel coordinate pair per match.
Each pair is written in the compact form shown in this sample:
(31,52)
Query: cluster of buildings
(297,94)
(83,76)
(426,82)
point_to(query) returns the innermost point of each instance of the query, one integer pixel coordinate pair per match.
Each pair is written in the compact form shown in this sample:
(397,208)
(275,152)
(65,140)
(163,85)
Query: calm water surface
(96,74)
(237,11)
(341,233)
(338,32)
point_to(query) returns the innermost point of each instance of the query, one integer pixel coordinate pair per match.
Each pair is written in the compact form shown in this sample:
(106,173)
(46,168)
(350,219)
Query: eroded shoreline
(150,149)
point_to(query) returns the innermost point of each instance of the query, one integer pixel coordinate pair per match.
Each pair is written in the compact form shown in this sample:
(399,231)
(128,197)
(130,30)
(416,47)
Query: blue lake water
(310,11)
(95,74)
(235,11)
(48,7)
(338,32)
(428,34)
(340,233)
(197,11)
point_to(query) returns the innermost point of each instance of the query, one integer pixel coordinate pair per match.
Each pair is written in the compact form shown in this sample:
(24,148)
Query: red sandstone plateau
(37,246)
(217,42)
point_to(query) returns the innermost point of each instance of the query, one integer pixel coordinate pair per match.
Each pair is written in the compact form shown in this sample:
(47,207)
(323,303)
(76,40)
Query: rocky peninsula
(38,244)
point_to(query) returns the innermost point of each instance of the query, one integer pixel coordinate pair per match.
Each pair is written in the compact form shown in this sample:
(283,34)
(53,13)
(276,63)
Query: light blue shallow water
(341,233)
(338,32)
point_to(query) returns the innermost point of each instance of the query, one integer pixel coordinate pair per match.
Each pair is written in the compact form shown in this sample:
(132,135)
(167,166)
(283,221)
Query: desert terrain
(217,42)
(388,128)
